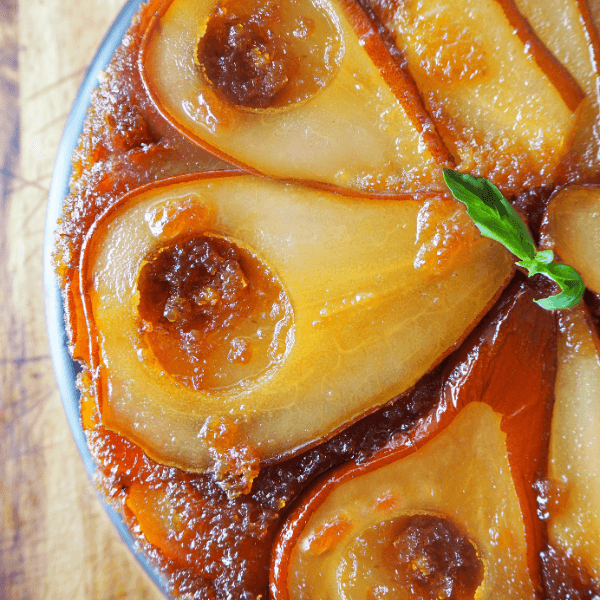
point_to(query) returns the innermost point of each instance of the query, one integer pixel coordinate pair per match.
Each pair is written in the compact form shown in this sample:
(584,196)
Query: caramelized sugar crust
(213,530)
(192,530)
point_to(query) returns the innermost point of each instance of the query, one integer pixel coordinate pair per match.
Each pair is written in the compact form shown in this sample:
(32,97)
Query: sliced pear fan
(502,104)
(572,227)
(379,289)
(362,533)
(574,466)
(322,109)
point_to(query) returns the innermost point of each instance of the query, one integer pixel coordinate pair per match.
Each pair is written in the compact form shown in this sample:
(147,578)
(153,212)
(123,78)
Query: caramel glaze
(126,143)
(593,303)
(512,367)
(563,579)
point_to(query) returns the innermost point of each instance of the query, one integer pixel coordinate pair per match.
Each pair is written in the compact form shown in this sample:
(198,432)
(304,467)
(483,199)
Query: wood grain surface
(56,542)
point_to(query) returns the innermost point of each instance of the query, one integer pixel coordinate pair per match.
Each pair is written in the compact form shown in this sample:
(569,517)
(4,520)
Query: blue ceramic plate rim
(64,367)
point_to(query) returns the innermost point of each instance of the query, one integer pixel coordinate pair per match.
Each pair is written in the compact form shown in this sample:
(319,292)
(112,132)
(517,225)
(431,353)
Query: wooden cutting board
(56,542)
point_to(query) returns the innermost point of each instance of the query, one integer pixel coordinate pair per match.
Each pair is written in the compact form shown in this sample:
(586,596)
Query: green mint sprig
(498,220)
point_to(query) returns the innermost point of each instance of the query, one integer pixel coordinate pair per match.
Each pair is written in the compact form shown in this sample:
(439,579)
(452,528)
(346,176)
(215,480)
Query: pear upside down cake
(305,374)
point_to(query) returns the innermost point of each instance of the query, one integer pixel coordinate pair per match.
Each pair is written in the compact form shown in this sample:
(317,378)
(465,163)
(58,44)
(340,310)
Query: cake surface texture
(305,374)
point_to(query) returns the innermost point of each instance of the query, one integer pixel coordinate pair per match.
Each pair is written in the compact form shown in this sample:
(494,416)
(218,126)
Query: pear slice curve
(567,30)
(382,289)
(462,476)
(353,120)
(509,362)
(503,105)
(574,465)
(572,227)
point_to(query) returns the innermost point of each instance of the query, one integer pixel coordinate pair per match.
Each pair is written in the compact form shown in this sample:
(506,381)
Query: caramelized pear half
(308,286)
(572,227)
(574,521)
(296,90)
(442,521)
(503,114)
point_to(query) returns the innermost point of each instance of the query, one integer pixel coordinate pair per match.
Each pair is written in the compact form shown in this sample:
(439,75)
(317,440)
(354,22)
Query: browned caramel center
(422,557)
(211,312)
(260,54)
(435,560)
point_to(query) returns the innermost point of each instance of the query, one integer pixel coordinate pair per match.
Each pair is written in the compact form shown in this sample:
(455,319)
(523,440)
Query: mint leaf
(538,262)
(498,220)
(569,281)
(492,213)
